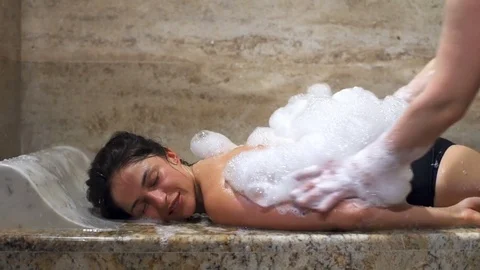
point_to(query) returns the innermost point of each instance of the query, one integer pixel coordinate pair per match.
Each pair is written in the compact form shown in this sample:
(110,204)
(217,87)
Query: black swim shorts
(425,174)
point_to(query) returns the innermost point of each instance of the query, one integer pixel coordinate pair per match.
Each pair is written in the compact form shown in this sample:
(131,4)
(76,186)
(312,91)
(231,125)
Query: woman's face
(156,187)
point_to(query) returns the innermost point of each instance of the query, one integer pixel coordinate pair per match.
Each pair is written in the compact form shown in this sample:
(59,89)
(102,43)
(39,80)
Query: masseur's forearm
(454,85)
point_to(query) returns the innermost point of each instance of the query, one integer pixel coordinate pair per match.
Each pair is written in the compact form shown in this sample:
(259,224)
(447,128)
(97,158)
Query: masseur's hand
(365,175)
(373,175)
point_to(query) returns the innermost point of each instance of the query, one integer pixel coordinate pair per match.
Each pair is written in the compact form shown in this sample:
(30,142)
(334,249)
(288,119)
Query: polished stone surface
(9,78)
(201,245)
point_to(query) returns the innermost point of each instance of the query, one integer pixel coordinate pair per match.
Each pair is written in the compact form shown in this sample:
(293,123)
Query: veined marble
(202,245)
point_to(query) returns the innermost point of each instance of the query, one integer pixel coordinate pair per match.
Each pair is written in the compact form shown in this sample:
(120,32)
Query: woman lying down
(133,177)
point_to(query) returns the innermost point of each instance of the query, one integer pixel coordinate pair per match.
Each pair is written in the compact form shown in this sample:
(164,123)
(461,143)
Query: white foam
(207,144)
(311,129)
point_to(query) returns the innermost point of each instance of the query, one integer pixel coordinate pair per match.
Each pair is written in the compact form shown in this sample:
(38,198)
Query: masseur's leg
(458,176)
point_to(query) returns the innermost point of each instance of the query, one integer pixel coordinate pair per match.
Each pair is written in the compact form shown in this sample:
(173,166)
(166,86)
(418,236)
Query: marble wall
(168,69)
(9,78)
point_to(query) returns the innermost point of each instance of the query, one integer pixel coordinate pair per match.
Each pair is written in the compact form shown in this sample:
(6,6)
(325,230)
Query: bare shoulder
(209,173)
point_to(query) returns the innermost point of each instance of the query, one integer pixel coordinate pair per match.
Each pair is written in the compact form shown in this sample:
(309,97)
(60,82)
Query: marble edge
(148,241)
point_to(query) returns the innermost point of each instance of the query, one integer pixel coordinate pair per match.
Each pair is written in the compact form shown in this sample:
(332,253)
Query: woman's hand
(355,215)
(467,211)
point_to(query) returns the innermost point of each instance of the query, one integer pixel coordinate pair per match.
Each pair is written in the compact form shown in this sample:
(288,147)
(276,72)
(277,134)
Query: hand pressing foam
(311,130)
(375,175)
(378,174)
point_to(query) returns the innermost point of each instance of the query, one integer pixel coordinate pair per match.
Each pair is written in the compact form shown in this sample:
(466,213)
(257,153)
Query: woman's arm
(234,210)
(226,207)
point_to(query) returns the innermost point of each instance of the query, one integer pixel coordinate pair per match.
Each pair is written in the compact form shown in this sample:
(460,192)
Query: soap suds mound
(311,129)
(207,144)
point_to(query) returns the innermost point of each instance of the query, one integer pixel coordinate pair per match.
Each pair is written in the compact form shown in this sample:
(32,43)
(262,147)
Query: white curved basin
(46,189)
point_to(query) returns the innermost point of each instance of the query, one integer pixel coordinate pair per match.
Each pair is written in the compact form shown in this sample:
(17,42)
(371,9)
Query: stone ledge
(203,246)
(207,237)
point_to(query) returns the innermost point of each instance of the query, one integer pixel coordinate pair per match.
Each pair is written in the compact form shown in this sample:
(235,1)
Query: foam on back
(311,129)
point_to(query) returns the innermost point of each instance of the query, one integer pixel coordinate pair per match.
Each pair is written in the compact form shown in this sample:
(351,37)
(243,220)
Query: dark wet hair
(123,148)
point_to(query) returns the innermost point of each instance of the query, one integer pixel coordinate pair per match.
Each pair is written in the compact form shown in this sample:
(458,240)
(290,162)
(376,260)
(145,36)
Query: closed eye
(155,182)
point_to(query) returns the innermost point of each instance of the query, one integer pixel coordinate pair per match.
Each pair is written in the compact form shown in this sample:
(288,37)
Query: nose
(158,199)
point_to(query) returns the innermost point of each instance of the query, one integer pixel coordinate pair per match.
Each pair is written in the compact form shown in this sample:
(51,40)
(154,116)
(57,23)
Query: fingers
(470,217)
(323,187)
(313,171)
(307,173)
(330,201)
(355,203)
(469,211)
(471,202)
(320,195)
(302,190)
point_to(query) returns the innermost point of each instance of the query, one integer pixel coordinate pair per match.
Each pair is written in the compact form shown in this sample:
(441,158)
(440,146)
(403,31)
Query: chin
(188,207)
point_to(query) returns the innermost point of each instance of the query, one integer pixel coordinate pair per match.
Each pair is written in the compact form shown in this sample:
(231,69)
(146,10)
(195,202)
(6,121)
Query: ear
(172,157)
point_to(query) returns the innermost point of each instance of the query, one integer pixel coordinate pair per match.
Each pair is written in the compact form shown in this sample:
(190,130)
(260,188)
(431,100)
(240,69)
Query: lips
(174,204)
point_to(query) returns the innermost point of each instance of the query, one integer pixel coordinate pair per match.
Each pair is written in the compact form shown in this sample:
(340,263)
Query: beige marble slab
(332,31)
(9,78)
